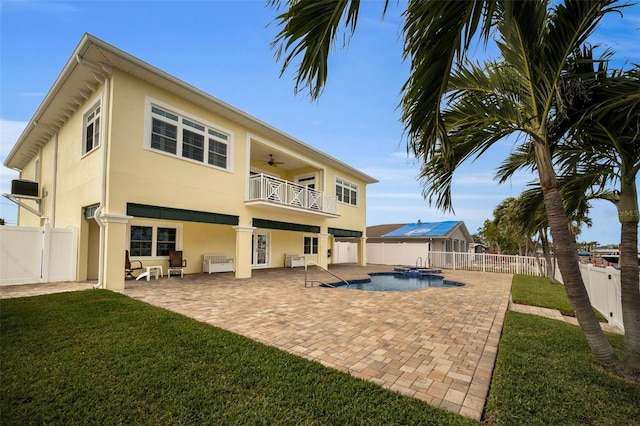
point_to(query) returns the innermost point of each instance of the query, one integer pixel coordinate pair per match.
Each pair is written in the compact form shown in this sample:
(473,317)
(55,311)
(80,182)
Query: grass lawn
(538,291)
(546,375)
(98,357)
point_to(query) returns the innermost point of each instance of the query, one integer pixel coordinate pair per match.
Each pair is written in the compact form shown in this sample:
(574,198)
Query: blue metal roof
(432,229)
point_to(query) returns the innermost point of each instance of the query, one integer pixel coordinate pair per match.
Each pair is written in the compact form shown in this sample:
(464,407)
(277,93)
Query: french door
(260,247)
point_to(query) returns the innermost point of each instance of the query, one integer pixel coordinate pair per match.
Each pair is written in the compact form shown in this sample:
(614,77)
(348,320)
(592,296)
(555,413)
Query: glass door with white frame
(260,249)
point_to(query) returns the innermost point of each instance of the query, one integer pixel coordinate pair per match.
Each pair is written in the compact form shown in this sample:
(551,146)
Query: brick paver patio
(435,344)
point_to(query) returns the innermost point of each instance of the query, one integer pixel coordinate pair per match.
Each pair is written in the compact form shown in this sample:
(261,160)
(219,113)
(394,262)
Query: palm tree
(532,216)
(519,95)
(483,104)
(599,159)
(607,140)
(507,216)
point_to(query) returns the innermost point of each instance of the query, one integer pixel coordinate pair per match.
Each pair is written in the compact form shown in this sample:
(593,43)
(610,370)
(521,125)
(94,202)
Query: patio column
(323,247)
(114,245)
(362,251)
(244,235)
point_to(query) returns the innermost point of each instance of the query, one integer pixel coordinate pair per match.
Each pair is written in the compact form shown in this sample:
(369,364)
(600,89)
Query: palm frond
(572,23)
(310,30)
(436,34)
(522,159)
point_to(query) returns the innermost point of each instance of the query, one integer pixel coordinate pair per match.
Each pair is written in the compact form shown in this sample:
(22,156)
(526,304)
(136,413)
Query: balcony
(270,191)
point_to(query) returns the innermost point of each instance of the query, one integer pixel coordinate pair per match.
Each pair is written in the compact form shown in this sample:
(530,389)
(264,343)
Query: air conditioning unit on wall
(26,188)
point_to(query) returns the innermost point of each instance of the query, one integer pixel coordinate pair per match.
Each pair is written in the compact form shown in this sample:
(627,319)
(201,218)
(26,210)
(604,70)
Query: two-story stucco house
(137,160)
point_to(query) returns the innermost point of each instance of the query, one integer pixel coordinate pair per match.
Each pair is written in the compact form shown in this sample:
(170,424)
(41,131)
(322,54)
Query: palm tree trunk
(629,275)
(566,251)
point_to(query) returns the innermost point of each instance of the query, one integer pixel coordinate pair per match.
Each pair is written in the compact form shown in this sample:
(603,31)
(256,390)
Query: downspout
(103,186)
(96,216)
(55,181)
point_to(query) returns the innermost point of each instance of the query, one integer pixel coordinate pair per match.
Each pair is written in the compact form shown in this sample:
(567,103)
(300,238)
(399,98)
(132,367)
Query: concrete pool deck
(435,344)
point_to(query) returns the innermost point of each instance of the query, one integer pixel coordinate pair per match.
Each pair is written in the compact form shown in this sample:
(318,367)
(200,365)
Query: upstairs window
(188,138)
(164,133)
(91,137)
(217,153)
(346,192)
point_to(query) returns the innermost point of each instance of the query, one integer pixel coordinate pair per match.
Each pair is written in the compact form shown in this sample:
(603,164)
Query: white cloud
(40,6)
(10,131)
(394,195)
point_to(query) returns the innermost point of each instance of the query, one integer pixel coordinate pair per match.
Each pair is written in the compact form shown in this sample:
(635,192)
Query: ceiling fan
(273,162)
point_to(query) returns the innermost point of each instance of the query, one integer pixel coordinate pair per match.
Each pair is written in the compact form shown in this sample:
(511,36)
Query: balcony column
(323,247)
(244,235)
(362,251)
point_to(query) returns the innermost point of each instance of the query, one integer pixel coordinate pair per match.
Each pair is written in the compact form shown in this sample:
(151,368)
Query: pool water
(399,282)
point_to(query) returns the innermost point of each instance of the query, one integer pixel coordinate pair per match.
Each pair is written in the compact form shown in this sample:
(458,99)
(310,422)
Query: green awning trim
(168,213)
(285,226)
(344,233)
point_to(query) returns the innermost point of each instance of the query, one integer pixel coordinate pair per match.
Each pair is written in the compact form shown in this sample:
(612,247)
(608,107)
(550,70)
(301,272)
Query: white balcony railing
(278,191)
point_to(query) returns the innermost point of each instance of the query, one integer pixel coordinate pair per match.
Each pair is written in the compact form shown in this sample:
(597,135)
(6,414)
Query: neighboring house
(138,160)
(412,244)
(447,236)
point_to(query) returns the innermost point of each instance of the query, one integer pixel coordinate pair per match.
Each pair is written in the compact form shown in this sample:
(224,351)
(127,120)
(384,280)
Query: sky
(224,48)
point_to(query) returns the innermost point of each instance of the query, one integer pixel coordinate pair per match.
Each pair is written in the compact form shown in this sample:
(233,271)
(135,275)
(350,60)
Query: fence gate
(345,252)
(37,255)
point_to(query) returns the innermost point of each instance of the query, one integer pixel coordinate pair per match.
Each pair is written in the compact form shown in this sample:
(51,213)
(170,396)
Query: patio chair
(129,267)
(176,263)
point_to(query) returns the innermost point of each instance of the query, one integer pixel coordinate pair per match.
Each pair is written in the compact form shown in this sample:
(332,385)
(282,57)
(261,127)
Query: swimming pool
(398,282)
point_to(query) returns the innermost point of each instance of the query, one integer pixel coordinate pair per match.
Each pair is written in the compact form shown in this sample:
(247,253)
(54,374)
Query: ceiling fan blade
(272,162)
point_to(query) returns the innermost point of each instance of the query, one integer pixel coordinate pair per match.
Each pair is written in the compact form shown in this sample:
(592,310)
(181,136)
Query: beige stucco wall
(197,240)
(74,185)
(148,177)
(138,175)
(173,182)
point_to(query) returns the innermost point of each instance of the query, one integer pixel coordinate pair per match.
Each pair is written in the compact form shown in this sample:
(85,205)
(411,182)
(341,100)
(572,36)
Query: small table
(156,270)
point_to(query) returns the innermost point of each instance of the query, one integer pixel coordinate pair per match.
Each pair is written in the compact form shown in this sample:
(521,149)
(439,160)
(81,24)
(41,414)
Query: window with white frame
(153,240)
(310,245)
(91,124)
(346,192)
(185,137)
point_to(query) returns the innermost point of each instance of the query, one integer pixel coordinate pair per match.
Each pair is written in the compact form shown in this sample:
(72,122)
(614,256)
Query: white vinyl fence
(37,255)
(418,255)
(345,252)
(406,254)
(527,265)
(603,286)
